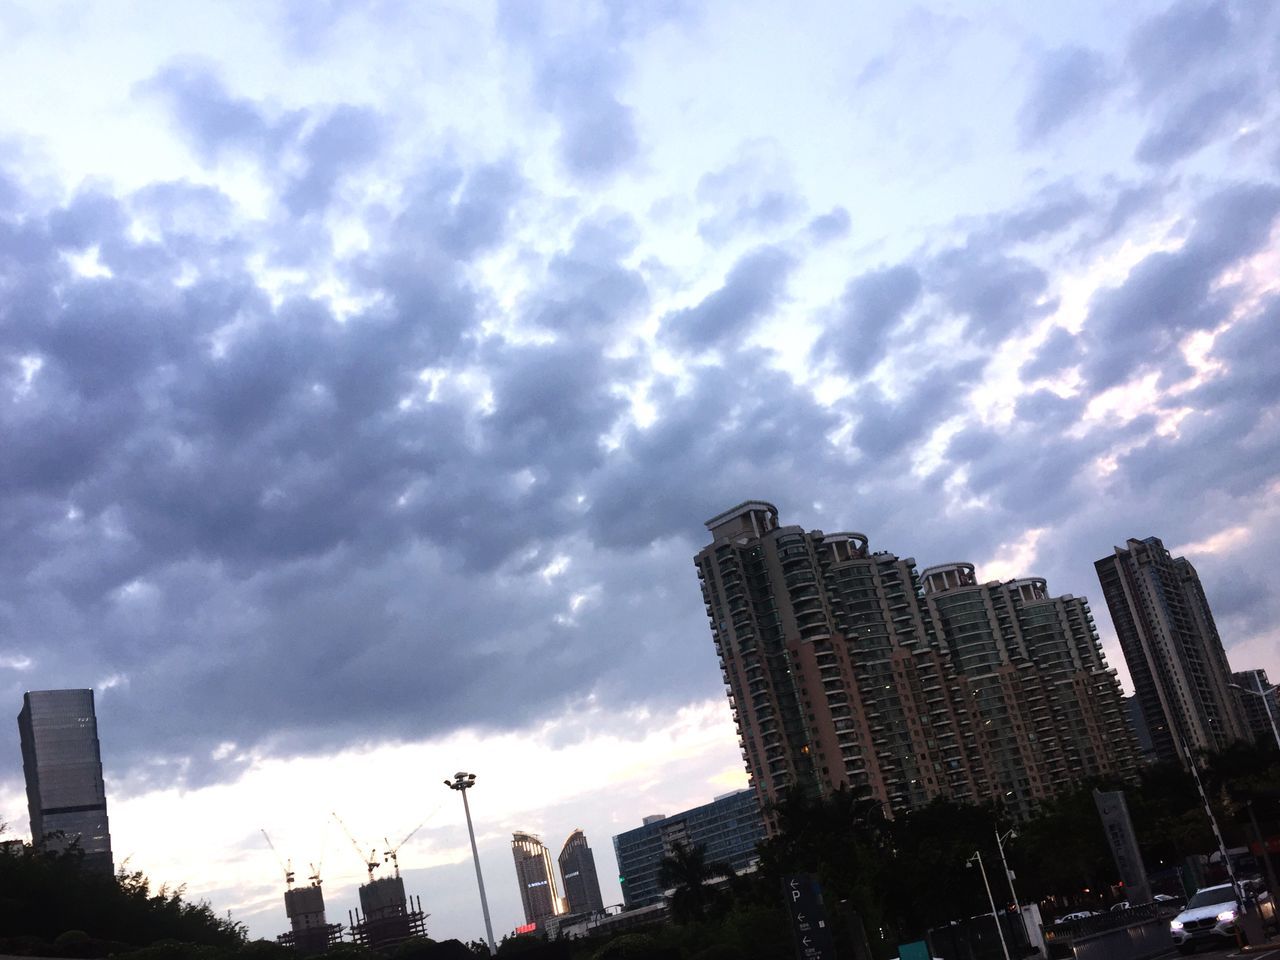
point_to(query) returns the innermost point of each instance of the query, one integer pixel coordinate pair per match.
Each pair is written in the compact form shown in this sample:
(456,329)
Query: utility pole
(1012,834)
(977,855)
(1262,845)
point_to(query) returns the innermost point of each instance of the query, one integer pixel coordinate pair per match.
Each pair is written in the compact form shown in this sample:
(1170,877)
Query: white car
(1209,917)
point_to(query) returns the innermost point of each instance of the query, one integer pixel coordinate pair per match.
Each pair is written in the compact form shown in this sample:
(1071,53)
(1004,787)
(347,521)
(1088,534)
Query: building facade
(538,890)
(847,668)
(727,829)
(1254,698)
(578,871)
(62,763)
(1171,645)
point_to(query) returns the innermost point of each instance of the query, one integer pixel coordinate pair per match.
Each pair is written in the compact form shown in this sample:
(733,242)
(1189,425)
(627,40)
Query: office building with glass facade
(62,763)
(727,829)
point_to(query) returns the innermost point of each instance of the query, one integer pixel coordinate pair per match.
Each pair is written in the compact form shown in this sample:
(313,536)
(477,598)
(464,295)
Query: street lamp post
(463,782)
(977,855)
(1000,839)
(1266,702)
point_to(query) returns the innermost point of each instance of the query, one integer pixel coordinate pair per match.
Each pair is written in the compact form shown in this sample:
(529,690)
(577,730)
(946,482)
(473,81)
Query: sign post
(810,928)
(1124,845)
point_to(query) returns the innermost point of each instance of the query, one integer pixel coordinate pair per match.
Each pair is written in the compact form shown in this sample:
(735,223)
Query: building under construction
(309,933)
(386,916)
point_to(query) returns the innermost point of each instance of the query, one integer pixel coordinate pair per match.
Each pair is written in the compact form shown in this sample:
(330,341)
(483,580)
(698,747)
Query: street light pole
(462,782)
(1009,873)
(977,855)
(1266,702)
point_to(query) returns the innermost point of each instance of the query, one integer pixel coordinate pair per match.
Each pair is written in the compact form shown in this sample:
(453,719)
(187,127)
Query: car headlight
(1175,924)
(1226,916)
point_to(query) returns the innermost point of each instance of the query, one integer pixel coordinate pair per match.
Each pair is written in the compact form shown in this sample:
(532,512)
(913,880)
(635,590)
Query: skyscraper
(578,871)
(62,762)
(847,668)
(537,880)
(1171,644)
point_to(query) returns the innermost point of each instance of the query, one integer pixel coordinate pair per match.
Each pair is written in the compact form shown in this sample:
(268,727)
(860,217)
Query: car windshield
(1207,898)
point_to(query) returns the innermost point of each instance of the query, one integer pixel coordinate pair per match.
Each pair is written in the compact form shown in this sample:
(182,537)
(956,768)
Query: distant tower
(538,890)
(578,870)
(62,761)
(1171,644)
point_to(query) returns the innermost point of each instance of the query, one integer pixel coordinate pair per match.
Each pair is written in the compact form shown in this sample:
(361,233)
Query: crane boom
(286,867)
(371,862)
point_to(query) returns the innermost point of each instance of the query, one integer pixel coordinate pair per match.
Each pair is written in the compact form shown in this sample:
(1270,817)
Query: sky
(368,370)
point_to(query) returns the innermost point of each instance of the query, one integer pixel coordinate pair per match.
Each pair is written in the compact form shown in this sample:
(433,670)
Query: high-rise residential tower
(62,762)
(847,668)
(1171,644)
(538,891)
(578,871)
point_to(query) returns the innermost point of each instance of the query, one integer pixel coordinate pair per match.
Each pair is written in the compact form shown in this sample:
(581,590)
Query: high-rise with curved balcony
(845,667)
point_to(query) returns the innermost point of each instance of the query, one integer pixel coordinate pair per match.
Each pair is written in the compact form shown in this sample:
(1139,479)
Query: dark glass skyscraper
(538,891)
(62,762)
(1171,644)
(578,871)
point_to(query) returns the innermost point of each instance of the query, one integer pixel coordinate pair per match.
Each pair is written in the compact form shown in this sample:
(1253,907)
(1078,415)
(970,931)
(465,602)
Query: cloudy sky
(367,371)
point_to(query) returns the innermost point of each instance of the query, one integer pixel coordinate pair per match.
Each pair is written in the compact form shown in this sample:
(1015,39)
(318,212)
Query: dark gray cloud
(1178,42)
(320,145)
(1170,294)
(216,121)
(873,306)
(1068,83)
(752,194)
(994,291)
(1060,350)
(754,287)
(830,226)
(1197,68)
(1196,122)
(579,67)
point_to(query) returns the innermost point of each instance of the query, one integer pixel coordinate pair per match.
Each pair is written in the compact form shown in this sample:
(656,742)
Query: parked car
(1209,917)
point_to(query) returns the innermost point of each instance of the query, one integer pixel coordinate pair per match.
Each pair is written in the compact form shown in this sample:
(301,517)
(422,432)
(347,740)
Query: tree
(687,872)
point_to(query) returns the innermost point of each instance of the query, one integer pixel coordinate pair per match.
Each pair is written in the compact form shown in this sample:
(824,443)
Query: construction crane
(286,867)
(391,853)
(314,876)
(371,862)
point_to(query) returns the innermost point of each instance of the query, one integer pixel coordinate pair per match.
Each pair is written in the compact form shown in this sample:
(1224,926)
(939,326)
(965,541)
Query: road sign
(810,928)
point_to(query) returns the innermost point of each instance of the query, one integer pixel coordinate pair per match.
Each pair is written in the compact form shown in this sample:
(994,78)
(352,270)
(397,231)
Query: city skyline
(368,371)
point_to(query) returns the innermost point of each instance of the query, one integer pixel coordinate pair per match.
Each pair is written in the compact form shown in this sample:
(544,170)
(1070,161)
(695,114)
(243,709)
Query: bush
(634,946)
(718,951)
(68,937)
(453,950)
(265,950)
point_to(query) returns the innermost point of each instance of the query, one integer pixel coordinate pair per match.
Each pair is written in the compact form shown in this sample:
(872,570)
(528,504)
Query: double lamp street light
(462,782)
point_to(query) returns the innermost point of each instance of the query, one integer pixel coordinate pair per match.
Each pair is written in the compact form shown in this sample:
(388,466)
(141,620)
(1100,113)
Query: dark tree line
(47,897)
